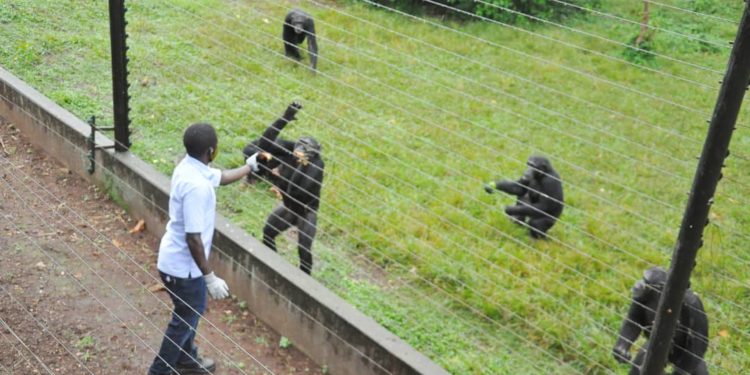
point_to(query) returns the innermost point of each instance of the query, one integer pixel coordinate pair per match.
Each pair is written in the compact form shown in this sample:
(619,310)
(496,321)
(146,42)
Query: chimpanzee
(299,25)
(540,196)
(298,175)
(690,340)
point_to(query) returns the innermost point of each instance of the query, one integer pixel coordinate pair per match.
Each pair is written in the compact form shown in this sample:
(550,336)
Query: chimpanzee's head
(652,283)
(307,149)
(297,21)
(538,167)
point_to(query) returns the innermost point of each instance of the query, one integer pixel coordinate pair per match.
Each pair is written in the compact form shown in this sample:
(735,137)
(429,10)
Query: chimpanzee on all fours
(690,340)
(296,170)
(540,196)
(299,26)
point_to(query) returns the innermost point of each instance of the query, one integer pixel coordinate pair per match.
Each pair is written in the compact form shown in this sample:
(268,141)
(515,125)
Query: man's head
(200,141)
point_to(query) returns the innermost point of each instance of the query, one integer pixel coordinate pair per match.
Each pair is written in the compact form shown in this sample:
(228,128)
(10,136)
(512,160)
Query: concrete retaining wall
(319,323)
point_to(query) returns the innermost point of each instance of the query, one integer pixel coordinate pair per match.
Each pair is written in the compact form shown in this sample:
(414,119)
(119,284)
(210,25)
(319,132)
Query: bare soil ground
(79,293)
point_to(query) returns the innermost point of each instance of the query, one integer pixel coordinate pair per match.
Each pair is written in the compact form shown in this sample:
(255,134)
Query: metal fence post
(707,175)
(120,85)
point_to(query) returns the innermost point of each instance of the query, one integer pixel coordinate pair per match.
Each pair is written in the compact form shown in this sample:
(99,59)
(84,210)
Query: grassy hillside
(413,117)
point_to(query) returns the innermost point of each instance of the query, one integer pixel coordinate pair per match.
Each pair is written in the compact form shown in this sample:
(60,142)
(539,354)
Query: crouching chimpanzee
(690,341)
(296,170)
(299,25)
(540,196)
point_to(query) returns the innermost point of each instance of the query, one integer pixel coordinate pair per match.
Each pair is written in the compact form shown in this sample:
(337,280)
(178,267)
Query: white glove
(252,161)
(217,288)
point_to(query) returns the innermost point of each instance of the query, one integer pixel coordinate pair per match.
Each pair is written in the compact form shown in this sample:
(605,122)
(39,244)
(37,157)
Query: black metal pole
(120,84)
(707,175)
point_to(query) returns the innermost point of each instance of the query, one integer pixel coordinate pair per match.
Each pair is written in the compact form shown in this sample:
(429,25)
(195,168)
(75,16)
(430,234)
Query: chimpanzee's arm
(269,140)
(312,43)
(631,328)
(513,187)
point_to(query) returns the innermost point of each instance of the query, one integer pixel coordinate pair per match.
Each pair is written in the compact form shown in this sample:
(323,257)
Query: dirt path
(79,293)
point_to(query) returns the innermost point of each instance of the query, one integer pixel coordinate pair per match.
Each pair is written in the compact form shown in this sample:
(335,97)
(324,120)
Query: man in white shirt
(185,247)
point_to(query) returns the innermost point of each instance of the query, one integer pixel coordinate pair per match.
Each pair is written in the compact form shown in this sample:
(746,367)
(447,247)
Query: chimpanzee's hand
(621,354)
(292,110)
(488,187)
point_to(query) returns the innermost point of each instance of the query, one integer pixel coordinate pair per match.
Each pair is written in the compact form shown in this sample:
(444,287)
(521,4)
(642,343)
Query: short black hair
(199,138)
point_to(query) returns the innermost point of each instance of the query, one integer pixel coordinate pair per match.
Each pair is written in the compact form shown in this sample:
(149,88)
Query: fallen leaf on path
(116,243)
(40,265)
(139,227)
(156,288)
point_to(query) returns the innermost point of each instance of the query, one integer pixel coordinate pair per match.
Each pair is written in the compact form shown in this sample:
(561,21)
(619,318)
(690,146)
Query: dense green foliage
(414,114)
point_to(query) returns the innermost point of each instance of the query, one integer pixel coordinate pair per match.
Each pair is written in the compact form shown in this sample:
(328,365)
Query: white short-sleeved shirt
(192,209)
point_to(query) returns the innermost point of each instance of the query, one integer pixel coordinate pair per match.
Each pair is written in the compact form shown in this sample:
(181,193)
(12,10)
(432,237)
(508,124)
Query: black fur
(690,341)
(298,179)
(540,196)
(299,26)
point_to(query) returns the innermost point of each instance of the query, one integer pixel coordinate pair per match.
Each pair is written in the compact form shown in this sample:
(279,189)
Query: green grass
(407,235)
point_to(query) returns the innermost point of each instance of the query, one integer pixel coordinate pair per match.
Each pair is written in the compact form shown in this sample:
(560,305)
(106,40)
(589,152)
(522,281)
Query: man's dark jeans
(189,299)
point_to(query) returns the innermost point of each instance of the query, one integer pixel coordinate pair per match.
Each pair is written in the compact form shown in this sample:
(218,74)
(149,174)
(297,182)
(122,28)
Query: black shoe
(201,366)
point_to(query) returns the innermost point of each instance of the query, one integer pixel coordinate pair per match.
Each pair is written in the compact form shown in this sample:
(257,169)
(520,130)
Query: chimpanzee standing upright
(299,177)
(690,340)
(299,25)
(540,196)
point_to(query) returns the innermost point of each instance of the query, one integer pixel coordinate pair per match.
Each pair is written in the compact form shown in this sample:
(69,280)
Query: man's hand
(292,110)
(252,161)
(489,187)
(217,288)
